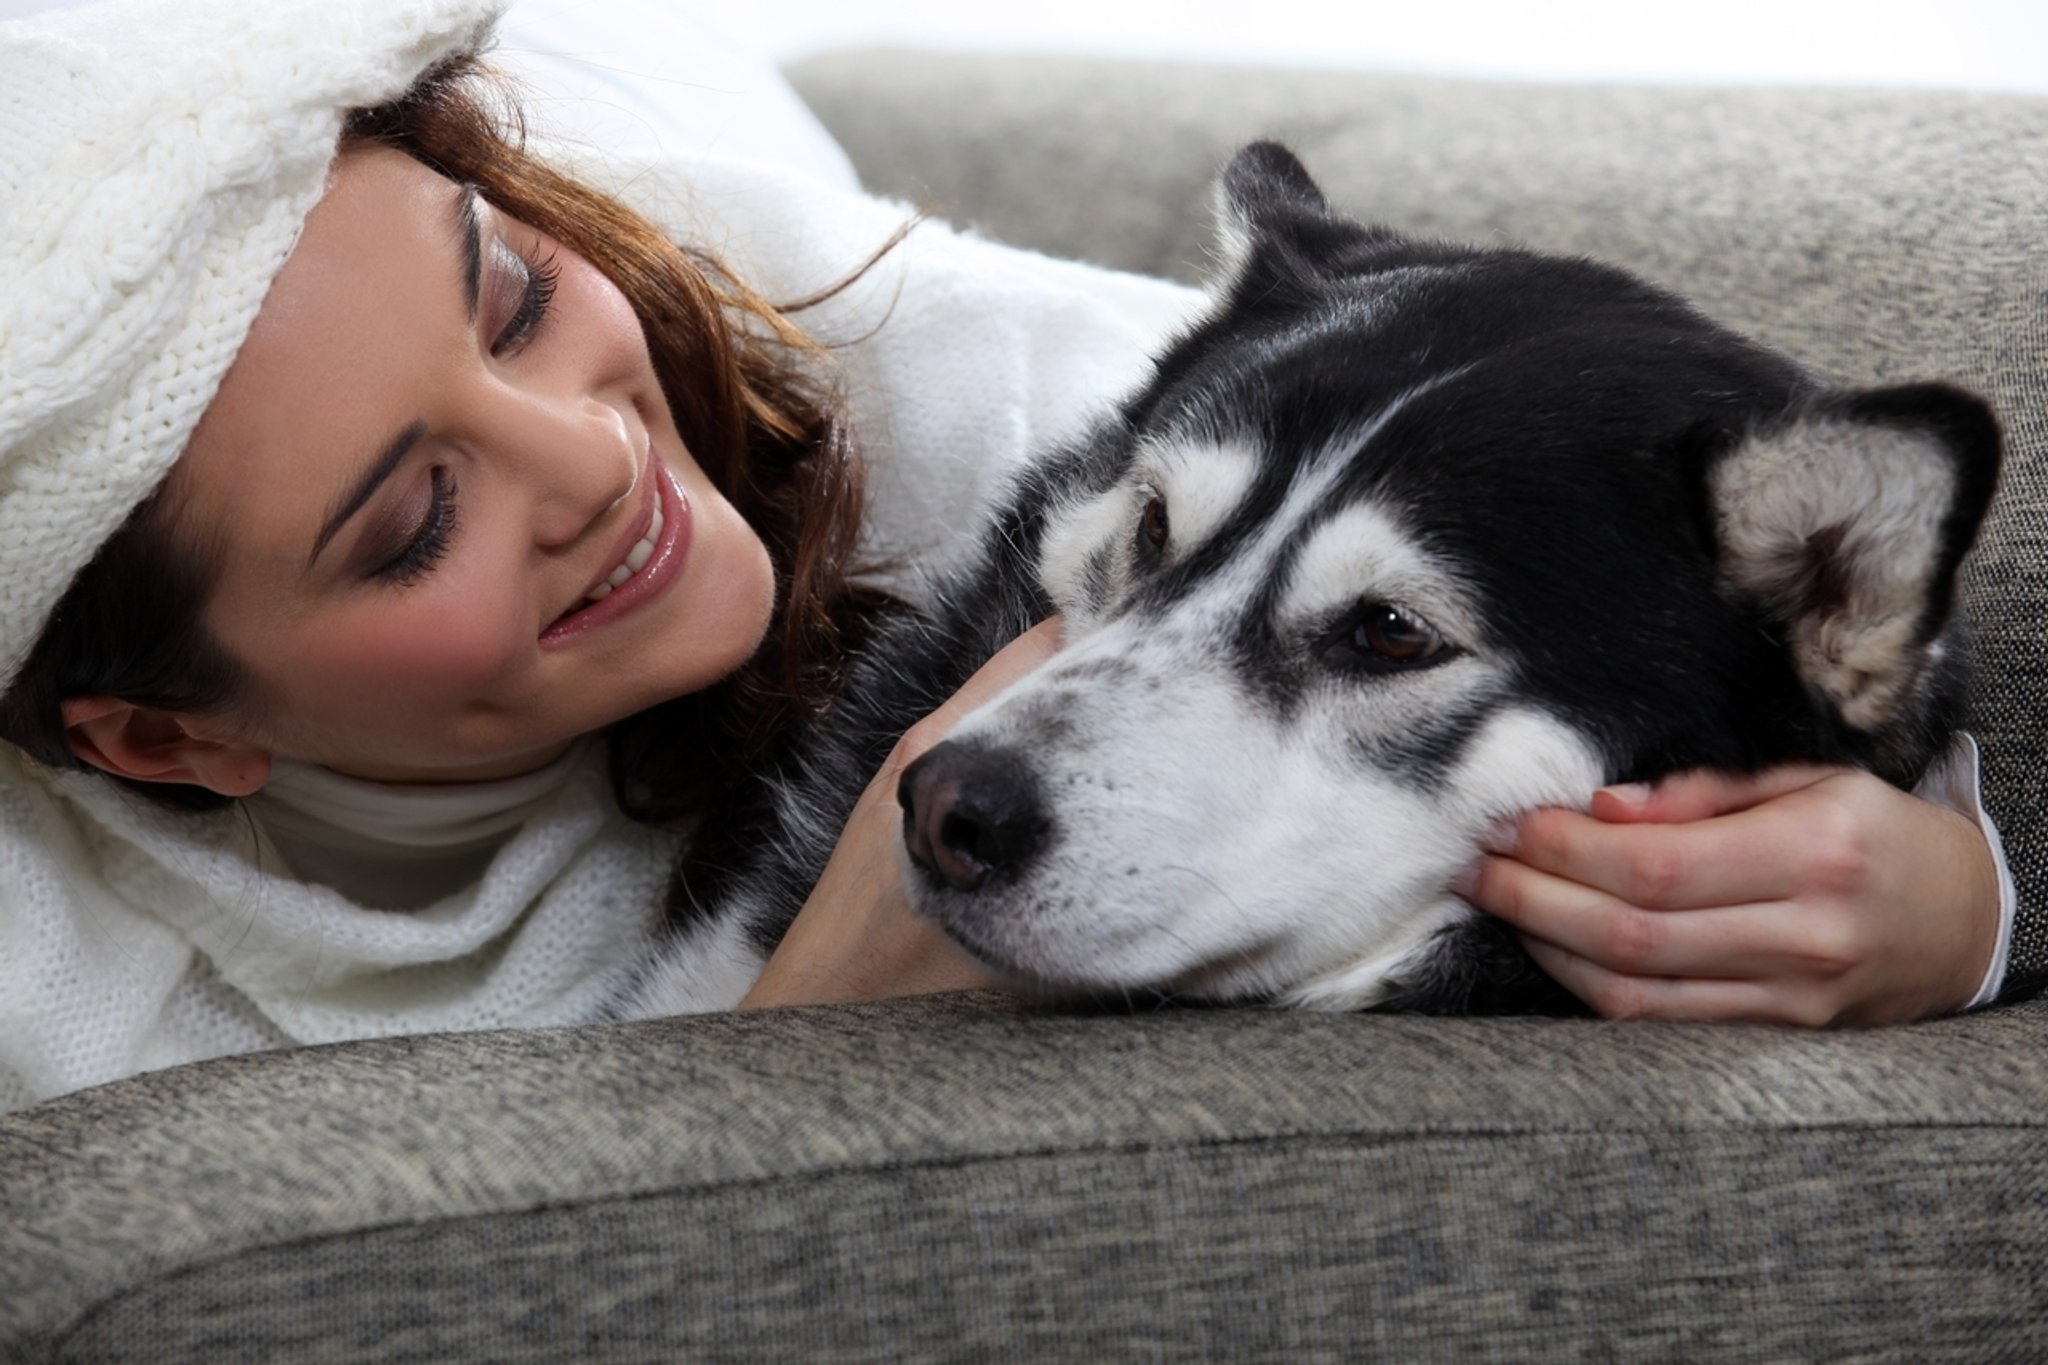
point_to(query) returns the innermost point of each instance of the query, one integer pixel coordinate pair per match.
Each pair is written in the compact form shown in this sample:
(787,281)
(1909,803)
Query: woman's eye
(535,282)
(429,541)
(1154,529)
(1380,638)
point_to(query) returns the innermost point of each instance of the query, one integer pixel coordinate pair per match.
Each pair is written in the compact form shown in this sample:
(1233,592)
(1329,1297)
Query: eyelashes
(535,298)
(427,544)
(430,541)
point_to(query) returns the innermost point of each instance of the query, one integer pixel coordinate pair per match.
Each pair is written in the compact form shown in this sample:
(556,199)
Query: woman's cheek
(447,651)
(469,647)
(598,322)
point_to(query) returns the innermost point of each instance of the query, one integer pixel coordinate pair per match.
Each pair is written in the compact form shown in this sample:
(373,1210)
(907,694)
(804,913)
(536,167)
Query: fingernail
(1503,838)
(1466,882)
(1629,793)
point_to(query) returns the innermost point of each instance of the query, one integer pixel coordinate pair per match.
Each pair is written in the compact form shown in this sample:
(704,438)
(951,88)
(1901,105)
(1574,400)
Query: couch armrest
(961,1177)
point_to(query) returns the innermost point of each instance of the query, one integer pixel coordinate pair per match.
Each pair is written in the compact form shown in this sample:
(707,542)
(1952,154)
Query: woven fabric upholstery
(962,1179)
(1876,236)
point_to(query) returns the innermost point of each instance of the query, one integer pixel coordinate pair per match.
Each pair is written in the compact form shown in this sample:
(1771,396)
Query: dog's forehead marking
(1206,478)
(1316,481)
(1085,560)
(1364,554)
(1201,481)
(1079,560)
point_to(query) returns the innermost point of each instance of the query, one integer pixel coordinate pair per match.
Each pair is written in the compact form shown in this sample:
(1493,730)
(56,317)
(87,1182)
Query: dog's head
(1406,538)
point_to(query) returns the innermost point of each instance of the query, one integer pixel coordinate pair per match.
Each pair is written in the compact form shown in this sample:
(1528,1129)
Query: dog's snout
(971,811)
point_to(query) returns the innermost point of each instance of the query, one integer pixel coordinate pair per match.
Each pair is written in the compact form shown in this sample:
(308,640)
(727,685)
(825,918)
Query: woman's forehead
(342,349)
(380,244)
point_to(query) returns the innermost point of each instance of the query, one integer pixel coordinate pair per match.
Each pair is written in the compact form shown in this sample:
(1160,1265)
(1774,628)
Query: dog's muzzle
(971,812)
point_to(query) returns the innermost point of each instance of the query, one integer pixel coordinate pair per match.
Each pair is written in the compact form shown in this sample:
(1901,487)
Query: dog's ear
(1847,520)
(1272,221)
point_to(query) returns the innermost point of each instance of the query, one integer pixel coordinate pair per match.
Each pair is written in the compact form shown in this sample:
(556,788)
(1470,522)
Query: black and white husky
(1403,539)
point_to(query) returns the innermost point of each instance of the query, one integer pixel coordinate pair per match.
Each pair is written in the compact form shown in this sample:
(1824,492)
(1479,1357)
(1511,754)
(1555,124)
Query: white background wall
(1993,44)
(1975,43)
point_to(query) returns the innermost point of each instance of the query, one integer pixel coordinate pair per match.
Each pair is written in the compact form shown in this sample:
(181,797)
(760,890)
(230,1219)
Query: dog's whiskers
(1246,956)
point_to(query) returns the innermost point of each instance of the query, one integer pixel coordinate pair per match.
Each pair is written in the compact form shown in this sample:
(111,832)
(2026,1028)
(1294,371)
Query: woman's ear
(151,745)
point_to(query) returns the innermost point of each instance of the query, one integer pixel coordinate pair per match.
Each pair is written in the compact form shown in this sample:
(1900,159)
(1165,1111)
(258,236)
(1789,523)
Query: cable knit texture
(156,163)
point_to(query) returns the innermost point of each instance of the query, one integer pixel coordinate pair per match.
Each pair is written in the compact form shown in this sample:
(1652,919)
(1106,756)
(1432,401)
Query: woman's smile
(660,546)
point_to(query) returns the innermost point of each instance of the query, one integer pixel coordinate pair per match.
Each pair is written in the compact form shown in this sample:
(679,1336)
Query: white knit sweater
(133,937)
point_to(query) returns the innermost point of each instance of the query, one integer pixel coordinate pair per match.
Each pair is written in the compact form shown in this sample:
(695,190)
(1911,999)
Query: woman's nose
(579,458)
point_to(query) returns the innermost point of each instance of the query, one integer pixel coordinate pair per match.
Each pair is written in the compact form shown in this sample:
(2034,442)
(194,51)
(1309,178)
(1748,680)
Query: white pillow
(646,80)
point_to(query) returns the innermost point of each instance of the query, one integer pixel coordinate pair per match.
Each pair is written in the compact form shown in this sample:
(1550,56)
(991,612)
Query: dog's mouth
(1028,934)
(1047,975)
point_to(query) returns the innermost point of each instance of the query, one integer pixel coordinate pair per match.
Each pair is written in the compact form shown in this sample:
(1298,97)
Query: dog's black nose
(970,810)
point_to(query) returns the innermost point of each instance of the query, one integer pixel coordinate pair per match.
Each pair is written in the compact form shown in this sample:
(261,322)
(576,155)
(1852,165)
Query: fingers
(1754,853)
(1840,901)
(1702,793)
(1763,939)
(1006,666)
(1617,995)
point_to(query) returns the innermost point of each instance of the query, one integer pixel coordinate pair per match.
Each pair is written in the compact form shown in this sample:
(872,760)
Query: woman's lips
(663,566)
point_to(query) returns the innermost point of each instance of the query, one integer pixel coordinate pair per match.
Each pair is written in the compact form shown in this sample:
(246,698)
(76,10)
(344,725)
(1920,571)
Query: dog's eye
(1153,526)
(1381,638)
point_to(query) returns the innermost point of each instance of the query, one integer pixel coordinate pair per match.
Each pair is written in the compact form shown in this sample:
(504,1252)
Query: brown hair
(752,400)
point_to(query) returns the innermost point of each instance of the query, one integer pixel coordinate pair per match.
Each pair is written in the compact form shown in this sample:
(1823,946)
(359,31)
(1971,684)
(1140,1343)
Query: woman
(465,533)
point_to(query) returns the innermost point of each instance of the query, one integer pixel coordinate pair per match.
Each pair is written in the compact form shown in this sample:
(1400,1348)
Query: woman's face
(441,438)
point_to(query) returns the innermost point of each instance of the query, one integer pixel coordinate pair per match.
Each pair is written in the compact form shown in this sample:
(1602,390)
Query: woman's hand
(856,938)
(1802,895)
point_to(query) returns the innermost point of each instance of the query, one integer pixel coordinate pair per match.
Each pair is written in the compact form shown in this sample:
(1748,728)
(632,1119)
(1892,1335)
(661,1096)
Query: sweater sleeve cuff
(1953,781)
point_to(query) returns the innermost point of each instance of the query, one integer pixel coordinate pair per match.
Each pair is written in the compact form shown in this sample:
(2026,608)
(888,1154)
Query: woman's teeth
(636,559)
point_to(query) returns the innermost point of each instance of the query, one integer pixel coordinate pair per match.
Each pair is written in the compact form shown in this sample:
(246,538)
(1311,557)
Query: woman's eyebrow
(365,487)
(469,238)
(470,235)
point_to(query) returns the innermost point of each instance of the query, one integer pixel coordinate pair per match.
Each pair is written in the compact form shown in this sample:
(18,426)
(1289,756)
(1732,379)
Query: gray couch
(966,1178)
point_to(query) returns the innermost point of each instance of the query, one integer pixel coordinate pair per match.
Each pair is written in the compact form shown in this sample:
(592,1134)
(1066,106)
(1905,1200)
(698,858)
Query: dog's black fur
(1563,460)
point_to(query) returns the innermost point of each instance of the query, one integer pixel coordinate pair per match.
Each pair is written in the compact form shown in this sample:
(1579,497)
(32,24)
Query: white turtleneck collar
(400,846)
